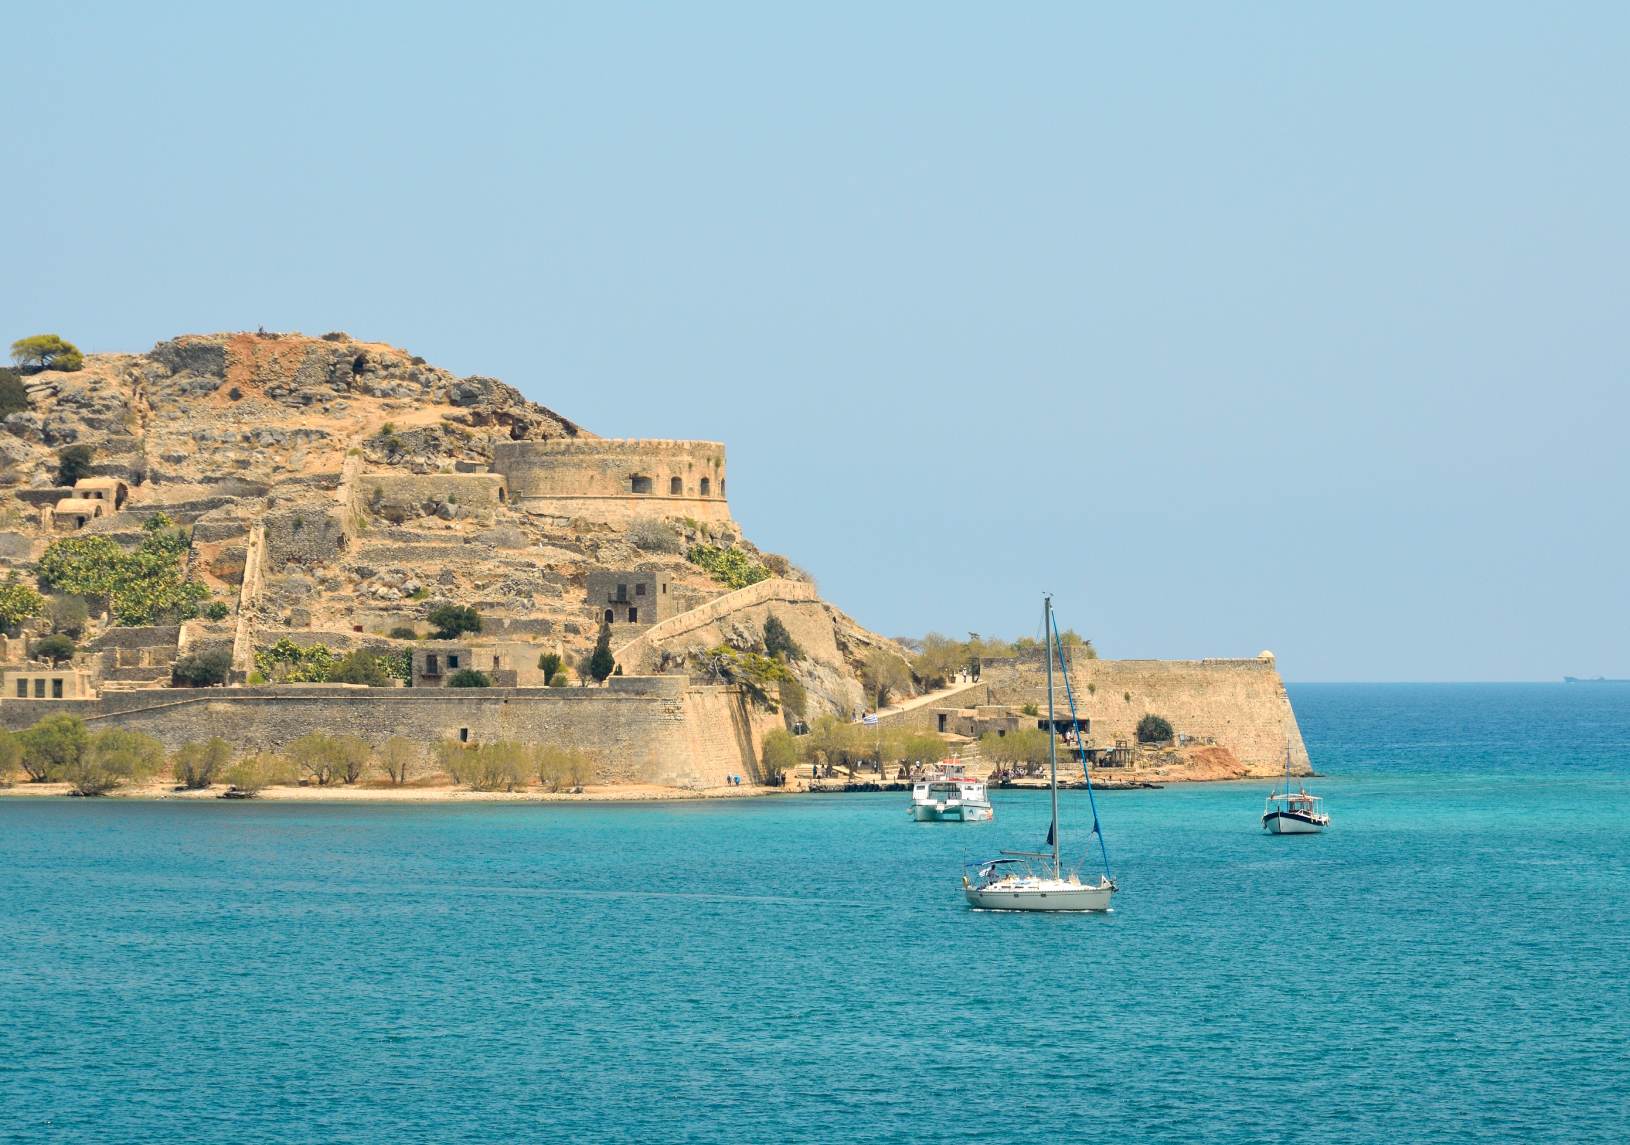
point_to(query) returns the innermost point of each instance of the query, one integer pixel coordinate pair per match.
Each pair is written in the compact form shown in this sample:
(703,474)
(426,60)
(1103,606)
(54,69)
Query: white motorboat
(1298,812)
(947,794)
(1012,882)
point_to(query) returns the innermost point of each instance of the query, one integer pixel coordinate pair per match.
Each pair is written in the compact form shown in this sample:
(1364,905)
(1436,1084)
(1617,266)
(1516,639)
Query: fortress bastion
(615,481)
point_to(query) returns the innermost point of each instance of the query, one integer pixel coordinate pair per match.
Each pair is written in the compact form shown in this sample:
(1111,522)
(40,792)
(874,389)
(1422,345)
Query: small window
(432,665)
(633,616)
(664,590)
(640,483)
(39,688)
(676,486)
(721,486)
(22,689)
(452,661)
(463,735)
(610,616)
(622,592)
(56,688)
(639,590)
(496,665)
(706,486)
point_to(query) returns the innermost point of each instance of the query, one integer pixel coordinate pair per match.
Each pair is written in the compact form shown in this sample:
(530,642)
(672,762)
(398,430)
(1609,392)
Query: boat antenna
(1052,737)
(1086,775)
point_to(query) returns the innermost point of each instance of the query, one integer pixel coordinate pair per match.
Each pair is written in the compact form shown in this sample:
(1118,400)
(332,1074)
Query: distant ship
(1591,680)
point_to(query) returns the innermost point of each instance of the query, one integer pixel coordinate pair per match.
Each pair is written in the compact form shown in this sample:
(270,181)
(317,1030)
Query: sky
(1285,326)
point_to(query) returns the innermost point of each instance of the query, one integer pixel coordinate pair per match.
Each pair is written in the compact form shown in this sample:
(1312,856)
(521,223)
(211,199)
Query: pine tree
(602,663)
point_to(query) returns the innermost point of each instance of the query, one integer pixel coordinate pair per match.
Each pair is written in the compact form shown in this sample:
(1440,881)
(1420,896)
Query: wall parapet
(776,590)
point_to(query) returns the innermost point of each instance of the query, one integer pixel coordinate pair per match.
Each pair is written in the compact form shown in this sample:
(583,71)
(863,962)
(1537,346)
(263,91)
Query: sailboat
(1012,882)
(1296,812)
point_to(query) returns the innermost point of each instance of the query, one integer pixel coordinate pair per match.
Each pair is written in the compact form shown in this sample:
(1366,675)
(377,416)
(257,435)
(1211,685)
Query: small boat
(947,794)
(1298,812)
(1013,882)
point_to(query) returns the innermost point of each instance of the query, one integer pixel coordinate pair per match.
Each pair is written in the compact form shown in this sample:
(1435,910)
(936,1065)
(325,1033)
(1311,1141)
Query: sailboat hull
(1058,896)
(1281,823)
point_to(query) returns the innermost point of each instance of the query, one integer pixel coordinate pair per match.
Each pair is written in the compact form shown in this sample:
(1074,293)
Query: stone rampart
(478,492)
(1240,704)
(640,729)
(684,628)
(615,481)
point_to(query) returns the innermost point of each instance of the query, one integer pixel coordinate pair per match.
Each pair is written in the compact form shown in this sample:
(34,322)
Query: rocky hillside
(276,451)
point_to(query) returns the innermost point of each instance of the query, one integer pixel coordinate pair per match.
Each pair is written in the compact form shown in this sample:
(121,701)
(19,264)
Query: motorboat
(948,794)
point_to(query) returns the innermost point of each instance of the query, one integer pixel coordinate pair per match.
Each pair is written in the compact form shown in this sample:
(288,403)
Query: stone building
(507,663)
(631,597)
(47,684)
(615,481)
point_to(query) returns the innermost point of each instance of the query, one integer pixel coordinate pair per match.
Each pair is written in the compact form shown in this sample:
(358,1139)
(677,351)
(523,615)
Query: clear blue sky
(1236,326)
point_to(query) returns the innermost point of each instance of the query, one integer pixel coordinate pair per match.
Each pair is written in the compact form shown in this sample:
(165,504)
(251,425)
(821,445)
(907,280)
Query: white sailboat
(1013,882)
(1298,812)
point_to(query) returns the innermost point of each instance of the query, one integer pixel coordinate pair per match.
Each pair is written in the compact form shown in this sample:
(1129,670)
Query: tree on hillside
(73,463)
(13,394)
(359,667)
(205,669)
(550,664)
(778,641)
(883,674)
(58,648)
(1154,729)
(18,601)
(602,663)
(69,614)
(46,352)
(452,620)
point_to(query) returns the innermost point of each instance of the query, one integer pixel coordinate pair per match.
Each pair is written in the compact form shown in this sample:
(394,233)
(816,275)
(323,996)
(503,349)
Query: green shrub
(360,667)
(557,767)
(550,663)
(112,758)
(602,663)
(52,744)
(778,641)
(197,765)
(69,615)
(287,662)
(499,766)
(206,669)
(142,587)
(558,680)
(329,759)
(1154,729)
(732,566)
(56,649)
(216,610)
(46,352)
(469,678)
(11,755)
(18,601)
(74,463)
(13,394)
(404,632)
(259,770)
(452,620)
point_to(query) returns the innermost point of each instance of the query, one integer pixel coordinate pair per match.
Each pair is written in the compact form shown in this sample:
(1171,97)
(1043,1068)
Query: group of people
(732,781)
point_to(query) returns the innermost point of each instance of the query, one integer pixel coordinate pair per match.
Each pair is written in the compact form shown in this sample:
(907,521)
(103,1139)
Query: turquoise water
(1449,962)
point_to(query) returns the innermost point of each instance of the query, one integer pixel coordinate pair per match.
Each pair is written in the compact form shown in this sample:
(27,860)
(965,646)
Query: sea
(1449,962)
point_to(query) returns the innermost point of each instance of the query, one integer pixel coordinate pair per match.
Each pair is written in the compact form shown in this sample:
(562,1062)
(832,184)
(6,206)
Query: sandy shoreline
(383,793)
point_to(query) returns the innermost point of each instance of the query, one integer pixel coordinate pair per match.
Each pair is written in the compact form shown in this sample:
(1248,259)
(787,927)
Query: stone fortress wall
(661,729)
(615,481)
(1240,704)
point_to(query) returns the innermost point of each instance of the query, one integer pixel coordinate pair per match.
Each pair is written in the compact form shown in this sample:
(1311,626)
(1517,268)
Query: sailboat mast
(1052,740)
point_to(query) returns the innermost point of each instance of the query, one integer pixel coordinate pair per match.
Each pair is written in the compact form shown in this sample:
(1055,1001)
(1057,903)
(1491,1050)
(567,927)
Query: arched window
(676,486)
(609,616)
(706,486)
(640,483)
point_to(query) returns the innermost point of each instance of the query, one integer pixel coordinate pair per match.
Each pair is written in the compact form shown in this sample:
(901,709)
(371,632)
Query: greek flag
(869,719)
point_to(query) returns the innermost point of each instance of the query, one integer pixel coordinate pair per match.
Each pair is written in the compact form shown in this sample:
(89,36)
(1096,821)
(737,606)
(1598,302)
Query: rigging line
(1069,695)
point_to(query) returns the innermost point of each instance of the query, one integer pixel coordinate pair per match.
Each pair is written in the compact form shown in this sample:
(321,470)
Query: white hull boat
(949,796)
(1298,812)
(1285,823)
(1012,882)
(1022,893)
(957,812)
